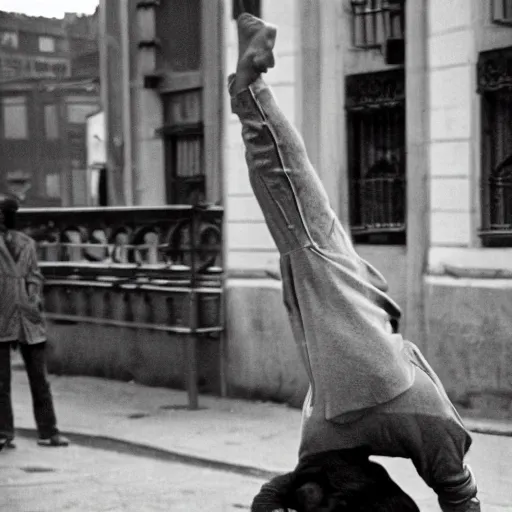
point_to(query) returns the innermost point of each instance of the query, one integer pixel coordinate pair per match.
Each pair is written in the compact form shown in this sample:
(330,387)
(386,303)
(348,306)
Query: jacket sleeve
(274,494)
(34,278)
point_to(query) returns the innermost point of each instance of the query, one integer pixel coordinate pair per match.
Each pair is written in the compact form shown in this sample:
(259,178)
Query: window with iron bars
(374,22)
(495,88)
(376,152)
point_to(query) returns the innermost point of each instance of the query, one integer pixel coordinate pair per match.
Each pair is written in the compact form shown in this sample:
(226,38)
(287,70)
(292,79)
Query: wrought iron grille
(495,87)
(177,243)
(383,207)
(146,269)
(501,203)
(376,149)
(376,21)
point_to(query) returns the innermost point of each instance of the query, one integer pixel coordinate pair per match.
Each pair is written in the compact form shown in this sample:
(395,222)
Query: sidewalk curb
(123,446)
(487,427)
(143,450)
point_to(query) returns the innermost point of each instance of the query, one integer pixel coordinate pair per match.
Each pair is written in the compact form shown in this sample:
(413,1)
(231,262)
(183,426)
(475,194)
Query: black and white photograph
(256,255)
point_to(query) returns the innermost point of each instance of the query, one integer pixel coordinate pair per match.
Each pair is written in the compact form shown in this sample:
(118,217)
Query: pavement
(85,479)
(252,439)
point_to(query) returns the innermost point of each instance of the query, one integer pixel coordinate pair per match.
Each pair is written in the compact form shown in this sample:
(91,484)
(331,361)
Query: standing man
(21,321)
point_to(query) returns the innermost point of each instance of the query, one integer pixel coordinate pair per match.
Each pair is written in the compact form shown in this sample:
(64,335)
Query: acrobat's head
(348,486)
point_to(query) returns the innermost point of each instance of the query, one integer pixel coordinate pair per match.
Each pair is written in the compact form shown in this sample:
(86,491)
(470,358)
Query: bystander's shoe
(55,440)
(7,444)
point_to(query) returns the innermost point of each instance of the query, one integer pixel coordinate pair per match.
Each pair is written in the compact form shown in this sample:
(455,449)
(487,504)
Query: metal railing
(381,204)
(158,269)
(500,202)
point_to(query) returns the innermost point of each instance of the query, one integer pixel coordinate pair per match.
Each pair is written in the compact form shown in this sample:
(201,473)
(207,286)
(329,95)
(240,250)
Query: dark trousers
(42,401)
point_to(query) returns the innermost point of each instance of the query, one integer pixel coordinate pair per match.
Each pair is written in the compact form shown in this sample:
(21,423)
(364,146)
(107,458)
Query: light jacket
(21,284)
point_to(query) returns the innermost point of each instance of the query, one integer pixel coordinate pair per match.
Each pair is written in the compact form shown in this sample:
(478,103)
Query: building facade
(404,108)
(49,75)
(34,47)
(43,139)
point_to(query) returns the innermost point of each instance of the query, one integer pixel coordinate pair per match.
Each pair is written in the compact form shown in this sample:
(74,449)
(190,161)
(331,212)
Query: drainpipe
(126,91)
(418,201)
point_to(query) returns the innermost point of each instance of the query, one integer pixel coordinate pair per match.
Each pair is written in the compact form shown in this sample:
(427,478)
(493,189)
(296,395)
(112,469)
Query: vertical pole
(310,57)
(223,341)
(191,342)
(103,50)
(191,358)
(332,143)
(213,90)
(417,133)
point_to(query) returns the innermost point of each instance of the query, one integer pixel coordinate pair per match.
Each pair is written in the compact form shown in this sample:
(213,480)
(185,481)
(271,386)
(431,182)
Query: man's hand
(36,300)
(272,496)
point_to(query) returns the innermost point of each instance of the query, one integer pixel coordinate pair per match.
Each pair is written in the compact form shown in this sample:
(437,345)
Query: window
(52,185)
(79,112)
(374,22)
(184,161)
(502,12)
(12,67)
(14,113)
(495,88)
(184,147)
(9,40)
(376,149)
(178,25)
(79,187)
(51,122)
(251,6)
(46,44)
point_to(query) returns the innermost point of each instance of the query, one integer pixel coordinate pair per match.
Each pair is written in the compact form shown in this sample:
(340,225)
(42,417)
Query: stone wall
(467,316)
(452,138)
(261,359)
(469,322)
